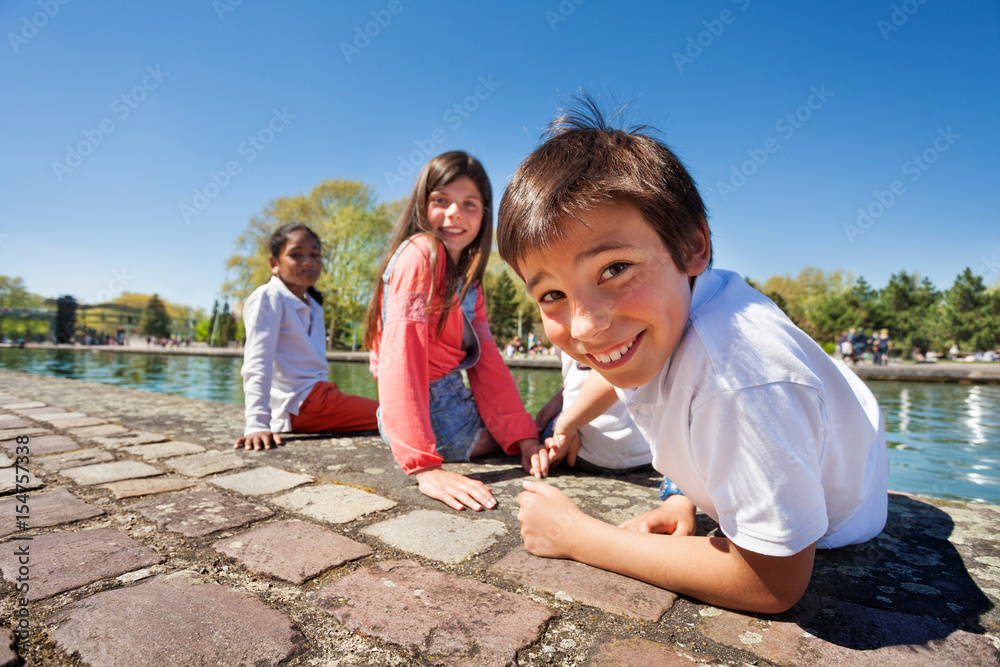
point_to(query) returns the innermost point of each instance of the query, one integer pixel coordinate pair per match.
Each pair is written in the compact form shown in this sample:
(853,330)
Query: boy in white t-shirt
(762,430)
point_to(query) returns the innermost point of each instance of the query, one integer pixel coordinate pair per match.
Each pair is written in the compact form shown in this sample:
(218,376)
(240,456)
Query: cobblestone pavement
(131,533)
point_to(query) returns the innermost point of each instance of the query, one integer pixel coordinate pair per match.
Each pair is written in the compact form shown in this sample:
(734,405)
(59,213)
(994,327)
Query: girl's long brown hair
(471,265)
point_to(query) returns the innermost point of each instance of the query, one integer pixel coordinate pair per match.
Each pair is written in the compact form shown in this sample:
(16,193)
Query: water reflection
(944,438)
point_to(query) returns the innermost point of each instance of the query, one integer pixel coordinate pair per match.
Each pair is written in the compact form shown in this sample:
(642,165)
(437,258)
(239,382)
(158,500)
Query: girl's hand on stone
(259,440)
(454,490)
(534,457)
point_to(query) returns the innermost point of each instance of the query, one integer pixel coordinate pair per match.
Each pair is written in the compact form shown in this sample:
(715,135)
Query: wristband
(668,488)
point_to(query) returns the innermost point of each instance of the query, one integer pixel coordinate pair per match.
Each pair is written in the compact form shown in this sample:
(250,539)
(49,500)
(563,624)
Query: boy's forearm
(595,398)
(713,570)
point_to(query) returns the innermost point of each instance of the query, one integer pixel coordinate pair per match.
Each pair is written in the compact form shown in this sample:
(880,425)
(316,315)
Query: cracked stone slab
(100,430)
(129,438)
(7,418)
(81,457)
(40,445)
(197,513)
(79,421)
(291,550)
(444,537)
(634,651)
(175,619)
(9,481)
(569,580)
(64,561)
(148,486)
(261,481)
(9,422)
(825,632)
(50,508)
(450,620)
(5,461)
(333,503)
(163,450)
(101,473)
(208,463)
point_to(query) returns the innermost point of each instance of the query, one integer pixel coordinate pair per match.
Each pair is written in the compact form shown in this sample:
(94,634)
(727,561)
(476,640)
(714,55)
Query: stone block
(21,405)
(175,619)
(569,580)
(163,450)
(50,508)
(197,513)
(209,463)
(448,620)
(618,652)
(56,417)
(100,430)
(9,481)
(10,435)
(63,561)
(47,410)
(332,503)
(102,473)
(824,632)
(129,438)
(147,486)
(79,421)
(8,657)
(261,481)
(444,537)
(291,550)
(41,445)
(8,422)
(81,457)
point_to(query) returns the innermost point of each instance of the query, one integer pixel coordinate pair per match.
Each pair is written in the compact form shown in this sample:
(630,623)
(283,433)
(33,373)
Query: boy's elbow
(781,582)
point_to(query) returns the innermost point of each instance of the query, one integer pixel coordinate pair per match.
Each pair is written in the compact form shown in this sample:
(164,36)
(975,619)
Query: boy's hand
(674,517)
(534,457)
(259,440)
(549,520)
(563,446)
(454,490)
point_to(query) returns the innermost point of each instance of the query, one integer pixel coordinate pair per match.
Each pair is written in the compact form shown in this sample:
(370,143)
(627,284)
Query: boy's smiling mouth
(615,354)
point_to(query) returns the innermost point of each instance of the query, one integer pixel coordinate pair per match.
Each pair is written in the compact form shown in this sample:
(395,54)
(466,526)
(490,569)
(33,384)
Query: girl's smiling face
(299,263)
(611,295)
(455,211)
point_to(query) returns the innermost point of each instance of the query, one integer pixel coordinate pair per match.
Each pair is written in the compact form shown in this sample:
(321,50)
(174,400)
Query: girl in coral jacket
(427,322)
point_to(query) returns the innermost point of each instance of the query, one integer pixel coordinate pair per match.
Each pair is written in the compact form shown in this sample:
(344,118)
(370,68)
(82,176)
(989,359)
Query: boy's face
(611,296)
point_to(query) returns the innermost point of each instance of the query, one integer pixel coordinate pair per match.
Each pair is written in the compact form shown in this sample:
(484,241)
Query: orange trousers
(329,409)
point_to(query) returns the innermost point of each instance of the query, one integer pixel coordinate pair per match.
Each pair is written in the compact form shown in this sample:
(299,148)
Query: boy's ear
(273,263)
(701,251)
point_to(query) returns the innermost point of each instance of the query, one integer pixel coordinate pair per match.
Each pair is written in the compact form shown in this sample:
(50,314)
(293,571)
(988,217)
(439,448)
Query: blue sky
(118,115)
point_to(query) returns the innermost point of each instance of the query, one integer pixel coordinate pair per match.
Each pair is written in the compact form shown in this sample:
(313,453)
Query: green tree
(155,321)
(909,309)
(507,304)
(353,228)
(967,312)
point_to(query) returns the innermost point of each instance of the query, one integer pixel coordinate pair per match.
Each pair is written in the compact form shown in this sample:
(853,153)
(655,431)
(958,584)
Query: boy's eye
(551,296)
(614,270)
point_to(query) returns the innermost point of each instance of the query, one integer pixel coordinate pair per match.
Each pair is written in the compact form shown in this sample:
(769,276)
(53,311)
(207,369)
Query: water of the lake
(944,438)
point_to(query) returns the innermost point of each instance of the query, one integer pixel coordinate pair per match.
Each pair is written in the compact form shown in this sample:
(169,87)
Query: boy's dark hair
(468,272)
(279,237)
(585,162)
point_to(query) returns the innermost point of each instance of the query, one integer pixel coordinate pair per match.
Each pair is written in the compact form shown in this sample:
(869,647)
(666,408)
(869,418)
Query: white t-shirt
(611,440)
(284,356)
(762,430)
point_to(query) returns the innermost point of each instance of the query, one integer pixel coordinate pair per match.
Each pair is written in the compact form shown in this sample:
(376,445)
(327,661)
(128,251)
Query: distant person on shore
(427,322)
(781,445)
(285,372)
(881,345)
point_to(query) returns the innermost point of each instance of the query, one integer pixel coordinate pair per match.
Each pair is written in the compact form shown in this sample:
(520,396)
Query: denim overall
(454,418)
